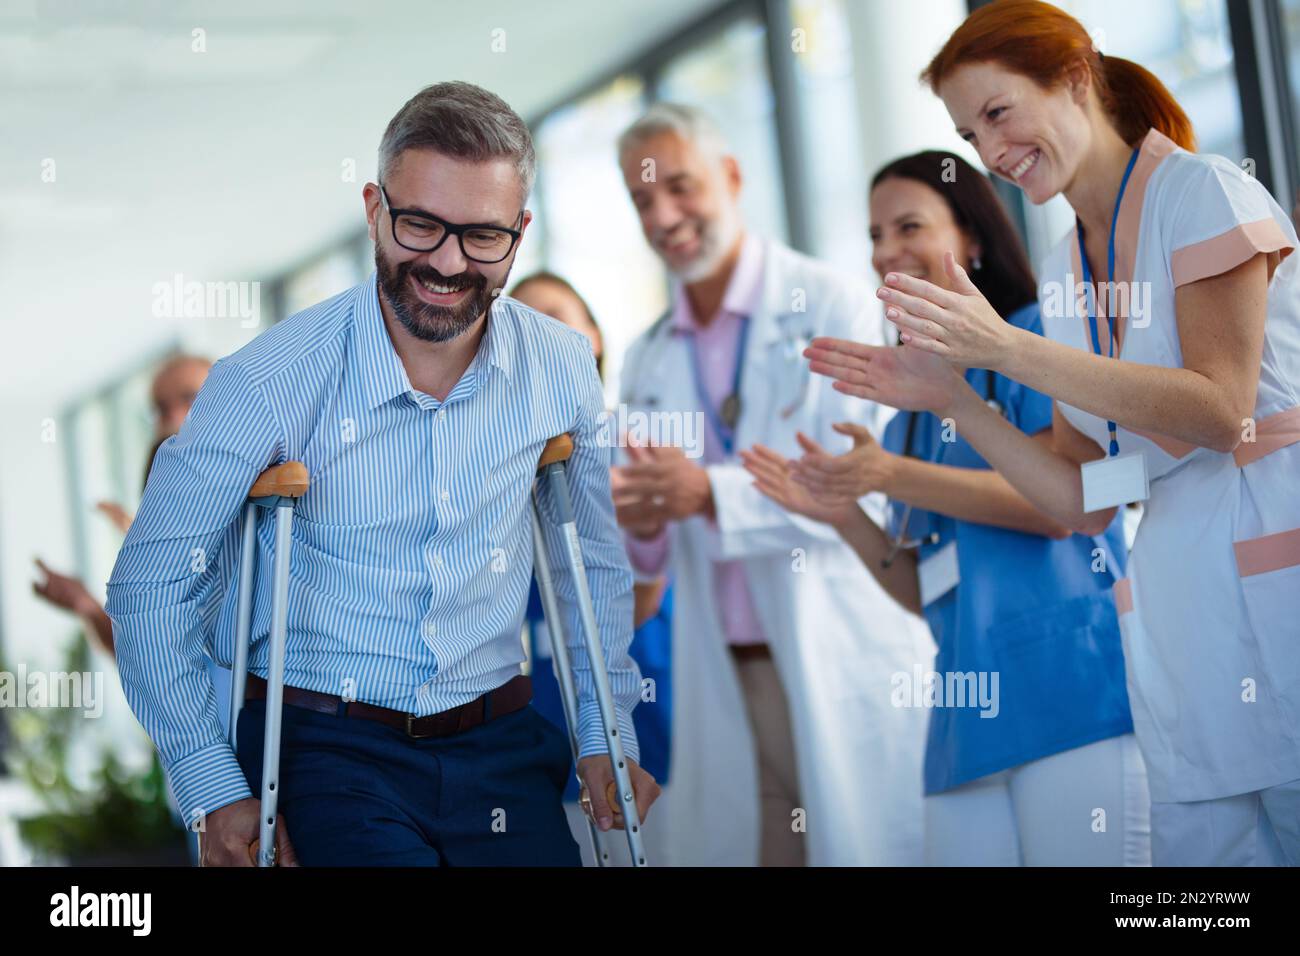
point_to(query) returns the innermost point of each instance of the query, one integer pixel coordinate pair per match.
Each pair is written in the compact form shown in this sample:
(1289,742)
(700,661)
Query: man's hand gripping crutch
(249,832)
(615,791)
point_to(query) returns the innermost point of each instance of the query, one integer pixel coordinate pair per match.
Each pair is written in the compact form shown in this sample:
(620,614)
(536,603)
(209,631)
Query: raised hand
(115,513)
(960,326)
(837,478)
(773,477)
(901,377)
(660,484)
(64,591)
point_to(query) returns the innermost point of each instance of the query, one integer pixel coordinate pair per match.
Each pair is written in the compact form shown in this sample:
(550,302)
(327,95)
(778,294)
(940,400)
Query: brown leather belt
(750,652)
(511,696)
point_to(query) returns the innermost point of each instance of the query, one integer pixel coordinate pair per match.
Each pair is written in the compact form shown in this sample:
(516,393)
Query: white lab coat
(836,636)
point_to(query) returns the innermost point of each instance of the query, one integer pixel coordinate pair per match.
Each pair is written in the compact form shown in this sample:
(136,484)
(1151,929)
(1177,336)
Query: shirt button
(442,413)
(430,629)
(445,494)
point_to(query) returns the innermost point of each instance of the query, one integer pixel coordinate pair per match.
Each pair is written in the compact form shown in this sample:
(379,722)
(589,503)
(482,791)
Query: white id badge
(1116,481)
(938,573)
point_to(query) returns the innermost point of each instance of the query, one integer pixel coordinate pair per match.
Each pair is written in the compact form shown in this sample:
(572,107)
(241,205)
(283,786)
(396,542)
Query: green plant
(121,814)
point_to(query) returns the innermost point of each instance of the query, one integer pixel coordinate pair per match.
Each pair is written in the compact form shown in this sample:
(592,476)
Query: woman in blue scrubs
(1030,758)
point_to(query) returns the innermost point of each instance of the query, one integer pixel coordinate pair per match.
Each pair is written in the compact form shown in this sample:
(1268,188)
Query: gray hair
(690,123)
(464,121)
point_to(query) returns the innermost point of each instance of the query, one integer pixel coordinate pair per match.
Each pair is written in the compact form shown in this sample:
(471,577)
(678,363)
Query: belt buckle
(410,731)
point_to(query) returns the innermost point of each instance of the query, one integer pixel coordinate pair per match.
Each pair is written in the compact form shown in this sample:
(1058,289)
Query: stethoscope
(900,541)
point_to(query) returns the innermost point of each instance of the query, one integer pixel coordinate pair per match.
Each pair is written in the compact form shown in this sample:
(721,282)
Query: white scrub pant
(1083,807)
(1260,828)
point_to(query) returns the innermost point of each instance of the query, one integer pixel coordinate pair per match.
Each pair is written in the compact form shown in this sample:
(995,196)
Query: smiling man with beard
(420,402)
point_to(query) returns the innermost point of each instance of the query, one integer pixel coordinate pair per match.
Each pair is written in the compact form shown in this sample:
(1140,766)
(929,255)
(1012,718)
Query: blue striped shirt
(412,549)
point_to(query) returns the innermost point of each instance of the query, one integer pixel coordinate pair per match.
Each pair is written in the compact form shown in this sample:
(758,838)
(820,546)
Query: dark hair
(1005,276)
(460,120)
(1044,43)
(543,276)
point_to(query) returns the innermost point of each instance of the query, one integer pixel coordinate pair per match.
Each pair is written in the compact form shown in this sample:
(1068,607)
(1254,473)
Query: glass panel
(95,483)
(588,231)
(1291,32)
(727,76)
(828,112)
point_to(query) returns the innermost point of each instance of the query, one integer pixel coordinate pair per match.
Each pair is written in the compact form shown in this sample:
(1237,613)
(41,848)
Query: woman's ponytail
(1137,102)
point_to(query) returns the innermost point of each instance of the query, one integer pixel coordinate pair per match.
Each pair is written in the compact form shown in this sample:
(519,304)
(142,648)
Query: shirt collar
(498,345)
(380,370)
(744,292)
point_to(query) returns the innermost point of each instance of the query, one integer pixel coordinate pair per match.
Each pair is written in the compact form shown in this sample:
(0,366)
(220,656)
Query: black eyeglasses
(424,232)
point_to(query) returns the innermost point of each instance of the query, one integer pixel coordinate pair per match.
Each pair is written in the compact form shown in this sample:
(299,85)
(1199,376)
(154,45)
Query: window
(727,77)
(836,191)
(590,233)
(1289,14)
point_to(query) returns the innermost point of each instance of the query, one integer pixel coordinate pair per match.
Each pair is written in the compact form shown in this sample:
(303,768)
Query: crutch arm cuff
(287,480)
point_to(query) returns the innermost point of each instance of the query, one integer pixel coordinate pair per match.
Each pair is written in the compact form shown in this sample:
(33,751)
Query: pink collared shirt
(717,344)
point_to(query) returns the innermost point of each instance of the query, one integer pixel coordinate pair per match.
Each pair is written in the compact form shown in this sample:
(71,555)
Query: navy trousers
(358,793)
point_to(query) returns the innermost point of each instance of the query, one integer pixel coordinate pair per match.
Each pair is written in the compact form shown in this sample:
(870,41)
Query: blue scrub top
(1029,608)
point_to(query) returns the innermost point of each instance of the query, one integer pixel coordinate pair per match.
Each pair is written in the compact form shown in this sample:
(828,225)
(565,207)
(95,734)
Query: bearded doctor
(786,750)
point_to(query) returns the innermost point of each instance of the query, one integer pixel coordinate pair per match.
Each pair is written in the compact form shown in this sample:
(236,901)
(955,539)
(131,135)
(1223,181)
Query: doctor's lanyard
(900,541)
(1110,287)
(723,420)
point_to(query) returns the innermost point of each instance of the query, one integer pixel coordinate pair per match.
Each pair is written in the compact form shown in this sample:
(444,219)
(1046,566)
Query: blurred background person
(552,295)
(782,643)
(1015,780)
(651,642)
(174,387)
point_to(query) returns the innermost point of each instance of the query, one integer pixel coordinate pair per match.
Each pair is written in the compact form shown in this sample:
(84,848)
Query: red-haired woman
(1171,319)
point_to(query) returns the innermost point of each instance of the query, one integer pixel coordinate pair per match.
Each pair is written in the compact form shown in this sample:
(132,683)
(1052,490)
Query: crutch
(279,488)
(551,467)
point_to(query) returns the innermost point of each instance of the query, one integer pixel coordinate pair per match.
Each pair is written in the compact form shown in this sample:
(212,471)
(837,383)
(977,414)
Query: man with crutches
(419,403)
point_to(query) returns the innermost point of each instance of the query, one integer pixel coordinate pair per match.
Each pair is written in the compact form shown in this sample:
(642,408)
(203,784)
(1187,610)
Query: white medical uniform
(1210,611)
(836,637)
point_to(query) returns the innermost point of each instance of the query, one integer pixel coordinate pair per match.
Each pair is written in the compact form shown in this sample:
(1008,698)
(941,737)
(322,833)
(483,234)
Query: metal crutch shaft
(553,468)
(278,487)
(275,681)
(563,665)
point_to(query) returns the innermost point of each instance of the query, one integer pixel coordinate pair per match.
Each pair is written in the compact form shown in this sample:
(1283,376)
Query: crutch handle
(558,448)
(288,480)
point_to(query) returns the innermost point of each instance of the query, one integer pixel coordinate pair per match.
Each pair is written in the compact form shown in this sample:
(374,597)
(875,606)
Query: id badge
(938,573)
(1114,482)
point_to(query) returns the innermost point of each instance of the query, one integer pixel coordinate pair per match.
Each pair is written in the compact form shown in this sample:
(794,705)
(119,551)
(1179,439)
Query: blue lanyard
(1110,279)
(726,434)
